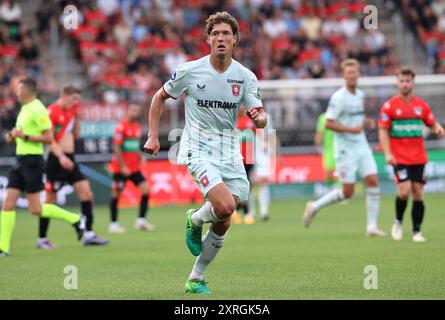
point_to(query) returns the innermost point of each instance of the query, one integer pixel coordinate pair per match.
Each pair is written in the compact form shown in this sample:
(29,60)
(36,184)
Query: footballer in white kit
(215,87)
(209,144)
(346,117)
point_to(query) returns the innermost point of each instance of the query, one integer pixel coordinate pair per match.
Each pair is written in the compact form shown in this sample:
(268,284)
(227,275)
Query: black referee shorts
(27,174)
(57,176)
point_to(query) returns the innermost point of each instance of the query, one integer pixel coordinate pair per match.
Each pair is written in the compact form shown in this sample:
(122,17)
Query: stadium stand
(126,49)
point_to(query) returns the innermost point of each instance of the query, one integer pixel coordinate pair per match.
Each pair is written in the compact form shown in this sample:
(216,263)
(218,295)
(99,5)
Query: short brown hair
(349,62)
(407,71)
(70,89)
(30,84)
(222,17)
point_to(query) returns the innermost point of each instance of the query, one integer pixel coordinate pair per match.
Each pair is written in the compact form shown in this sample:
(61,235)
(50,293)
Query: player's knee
(35,209)
(225,209)
(417,195)
(86,195)
(404,194)
(8,204)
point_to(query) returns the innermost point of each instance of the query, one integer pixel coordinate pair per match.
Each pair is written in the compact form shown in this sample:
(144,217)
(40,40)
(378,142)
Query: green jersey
(212,102)
(32,120)
(328,136)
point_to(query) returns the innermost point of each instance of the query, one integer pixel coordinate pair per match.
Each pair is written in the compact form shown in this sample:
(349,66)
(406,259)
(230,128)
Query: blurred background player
(264,170)
(61,167)
(32,131)
(324,139)
(346,116)
(401,123)
(127,164)
(247,137)
(215,86)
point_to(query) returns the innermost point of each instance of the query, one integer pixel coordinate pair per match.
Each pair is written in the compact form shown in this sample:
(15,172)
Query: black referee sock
(43,227)
(417,214)
(400,208)
(87,211)
(143,206)
(113,209)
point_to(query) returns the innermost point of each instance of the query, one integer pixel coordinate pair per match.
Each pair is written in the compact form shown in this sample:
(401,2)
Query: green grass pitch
(278,259)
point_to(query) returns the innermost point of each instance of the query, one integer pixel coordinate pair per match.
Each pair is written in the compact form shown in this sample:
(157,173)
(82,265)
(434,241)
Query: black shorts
(415,173)
(248,168)
(27,174)
(119,180)
(57,176)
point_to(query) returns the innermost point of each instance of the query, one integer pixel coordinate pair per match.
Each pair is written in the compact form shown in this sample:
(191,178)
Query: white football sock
(372,206)
(333,196)
(211,244)
(264,199)
(252,204)
(205,214)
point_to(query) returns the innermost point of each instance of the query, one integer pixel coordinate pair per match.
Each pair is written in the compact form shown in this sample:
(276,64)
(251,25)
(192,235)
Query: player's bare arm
(437,129)
(258,116)
(335,126)
(384,142)
(152,145)
(64,161)
(45,138)
(118,151)
(369,123)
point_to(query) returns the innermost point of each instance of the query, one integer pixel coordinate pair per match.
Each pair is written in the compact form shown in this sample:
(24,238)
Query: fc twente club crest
(236,89)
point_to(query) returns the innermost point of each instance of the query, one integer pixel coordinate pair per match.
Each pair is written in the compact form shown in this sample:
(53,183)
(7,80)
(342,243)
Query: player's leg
(368,170)
(83,190)
(54,181)
(116,190)
(224,204)
(347,168)
(404,189)
(418,208)
(264,197)
(372,206)
(223,198)
(7,218)
(52,211)
(141,222)
(50,198)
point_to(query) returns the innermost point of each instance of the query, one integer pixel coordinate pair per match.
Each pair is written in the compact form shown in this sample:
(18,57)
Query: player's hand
(9,138)
(125,171)
(369,123)
(356,130)
(66,163)
(152,146)
(15,133)
(438,130)
(390,159)
(257,117)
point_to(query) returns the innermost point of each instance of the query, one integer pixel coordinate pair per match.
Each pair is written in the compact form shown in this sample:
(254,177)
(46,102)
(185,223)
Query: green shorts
(207,175)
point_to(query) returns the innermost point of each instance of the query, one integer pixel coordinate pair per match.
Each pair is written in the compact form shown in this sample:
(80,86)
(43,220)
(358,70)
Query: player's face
(351,75)
(22,93)
(405,84)
(221,40)
(72,100)
(134,112)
